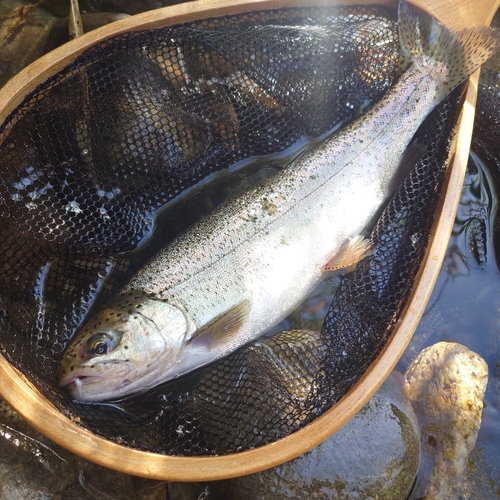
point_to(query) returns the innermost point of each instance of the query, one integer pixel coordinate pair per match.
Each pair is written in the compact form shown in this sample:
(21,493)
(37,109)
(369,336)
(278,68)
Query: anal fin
(224,328)
(350,253)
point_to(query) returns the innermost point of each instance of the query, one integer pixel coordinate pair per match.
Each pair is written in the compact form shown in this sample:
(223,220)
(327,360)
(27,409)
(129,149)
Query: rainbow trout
(241,270)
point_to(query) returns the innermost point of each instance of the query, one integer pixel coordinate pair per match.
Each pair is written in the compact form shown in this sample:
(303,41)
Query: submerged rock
(24,35)
(29,469)
(33,468)
(29,30)
(375,455)
(446,385)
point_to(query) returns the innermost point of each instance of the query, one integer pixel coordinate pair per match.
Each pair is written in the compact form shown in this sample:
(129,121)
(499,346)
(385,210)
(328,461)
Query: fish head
(123,349)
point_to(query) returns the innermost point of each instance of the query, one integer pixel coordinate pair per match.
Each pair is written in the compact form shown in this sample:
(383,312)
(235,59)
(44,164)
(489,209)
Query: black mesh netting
(90,157)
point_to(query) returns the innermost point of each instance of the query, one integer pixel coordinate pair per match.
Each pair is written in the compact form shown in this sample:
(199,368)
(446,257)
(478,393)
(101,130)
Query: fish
(238,272)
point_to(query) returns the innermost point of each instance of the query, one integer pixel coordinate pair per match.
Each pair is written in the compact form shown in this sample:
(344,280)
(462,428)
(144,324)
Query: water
(465,308)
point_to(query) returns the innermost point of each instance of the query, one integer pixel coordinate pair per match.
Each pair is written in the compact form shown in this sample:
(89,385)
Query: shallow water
(465,308)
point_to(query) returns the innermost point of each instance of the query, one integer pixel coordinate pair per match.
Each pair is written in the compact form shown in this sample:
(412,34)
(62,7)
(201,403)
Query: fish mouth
(78,380)
(85,383)
(75,383)
(90,388)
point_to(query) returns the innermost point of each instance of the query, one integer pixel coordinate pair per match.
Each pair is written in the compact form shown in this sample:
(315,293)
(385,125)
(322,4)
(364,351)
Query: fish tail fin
(424,38)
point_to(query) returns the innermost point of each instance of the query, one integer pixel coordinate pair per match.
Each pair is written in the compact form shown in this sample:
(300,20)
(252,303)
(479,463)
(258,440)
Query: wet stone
(29,469)
(96,20)
(375,455)
(127,6)
(446,384)
(24,36)
(34,468)
(28,31)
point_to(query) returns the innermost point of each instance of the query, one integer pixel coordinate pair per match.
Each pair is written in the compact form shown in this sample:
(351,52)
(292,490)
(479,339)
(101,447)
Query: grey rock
(127,6)
(29,469)
(24,36)
(95,20)
(34,468)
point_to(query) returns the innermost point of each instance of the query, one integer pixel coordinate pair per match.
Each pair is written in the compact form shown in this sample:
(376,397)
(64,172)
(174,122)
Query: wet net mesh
(94,161)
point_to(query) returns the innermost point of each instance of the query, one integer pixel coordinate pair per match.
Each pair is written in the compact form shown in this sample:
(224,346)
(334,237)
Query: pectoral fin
(350,253)
(224,328)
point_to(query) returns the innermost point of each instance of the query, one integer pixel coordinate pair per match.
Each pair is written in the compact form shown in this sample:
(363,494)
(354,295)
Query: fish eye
(100,343)
(100,348)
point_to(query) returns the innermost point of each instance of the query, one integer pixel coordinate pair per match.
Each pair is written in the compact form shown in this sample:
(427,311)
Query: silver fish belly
(241,270)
